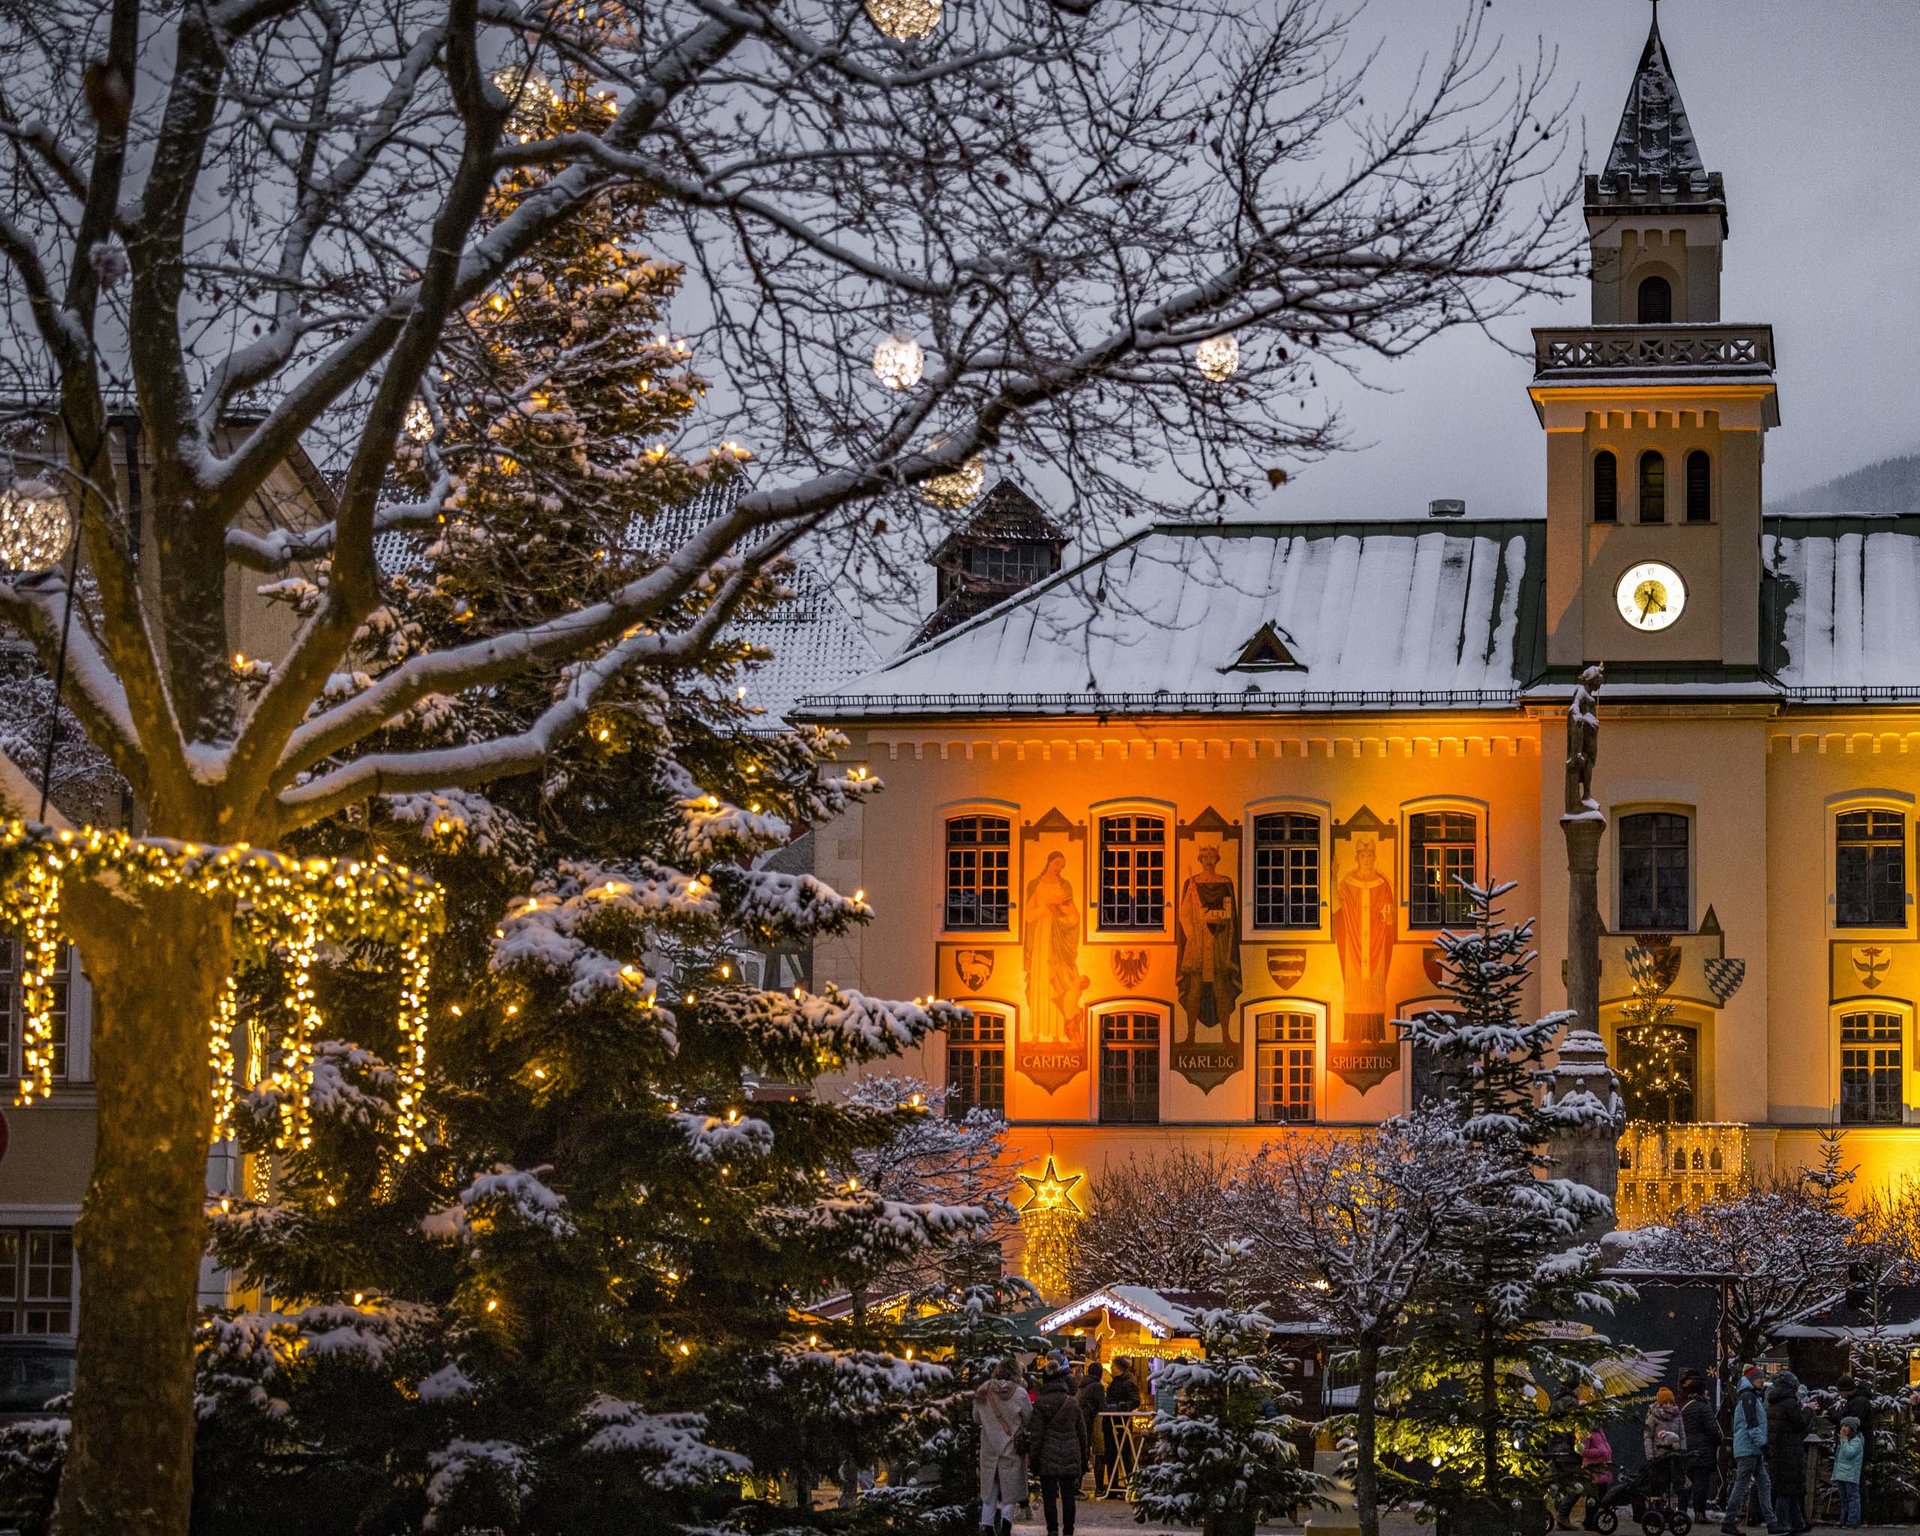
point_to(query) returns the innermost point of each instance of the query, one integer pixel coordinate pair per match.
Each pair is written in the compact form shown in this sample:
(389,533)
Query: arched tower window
(1653,488)
(1656,301)
(1606,487)
(1699,487)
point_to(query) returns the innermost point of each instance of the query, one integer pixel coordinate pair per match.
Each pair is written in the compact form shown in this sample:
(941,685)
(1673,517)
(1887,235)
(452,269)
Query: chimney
(1447,506)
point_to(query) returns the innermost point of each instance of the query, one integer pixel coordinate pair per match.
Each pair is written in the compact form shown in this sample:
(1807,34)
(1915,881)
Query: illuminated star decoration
(1050,1192)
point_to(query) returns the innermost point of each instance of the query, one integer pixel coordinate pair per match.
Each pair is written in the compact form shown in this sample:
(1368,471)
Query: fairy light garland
(304,902)
(226,1019)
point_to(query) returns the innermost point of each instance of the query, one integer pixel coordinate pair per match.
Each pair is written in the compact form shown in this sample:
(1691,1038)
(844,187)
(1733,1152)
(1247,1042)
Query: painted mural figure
(1051,939)
(1364,932)
(1209,965)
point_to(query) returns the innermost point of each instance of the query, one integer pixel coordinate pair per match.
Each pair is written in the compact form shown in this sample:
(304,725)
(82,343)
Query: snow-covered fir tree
(1226,1458)
(1497,1349)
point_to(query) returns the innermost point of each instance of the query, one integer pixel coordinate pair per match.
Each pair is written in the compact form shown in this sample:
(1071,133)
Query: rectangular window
(1442,852)
(1283,1067)
(11,1058)
(977,1066)
(1129,1068)
(36,1280)
(1653,872)
(1871,1091)
(979,853)
(1870,869)
(1133,871)
(1009,564)
(1286,870)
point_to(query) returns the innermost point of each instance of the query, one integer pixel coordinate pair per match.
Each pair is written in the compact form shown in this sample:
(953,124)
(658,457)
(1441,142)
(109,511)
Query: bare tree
(251,225)
(1346,1227)
(1155,1220)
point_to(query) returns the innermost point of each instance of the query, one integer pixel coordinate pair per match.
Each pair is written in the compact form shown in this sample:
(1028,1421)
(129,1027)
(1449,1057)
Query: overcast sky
(1811,109)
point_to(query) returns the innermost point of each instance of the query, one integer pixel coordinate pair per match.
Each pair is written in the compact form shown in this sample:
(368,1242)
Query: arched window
(1129,1068)
(1656,301)
(1606,487)
(1653,488)
(1658,1067)
(1699,487)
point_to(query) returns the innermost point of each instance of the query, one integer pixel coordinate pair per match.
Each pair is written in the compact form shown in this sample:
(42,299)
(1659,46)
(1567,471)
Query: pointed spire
(1654,139)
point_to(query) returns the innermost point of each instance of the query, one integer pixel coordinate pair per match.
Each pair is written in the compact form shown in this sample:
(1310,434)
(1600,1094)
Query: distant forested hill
(1892,485)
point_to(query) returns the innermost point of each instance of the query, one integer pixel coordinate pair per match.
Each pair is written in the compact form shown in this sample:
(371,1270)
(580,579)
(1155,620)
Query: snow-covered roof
(1242,618)
(1654,138)
(815,642)
(1845,607)
(1154,1311)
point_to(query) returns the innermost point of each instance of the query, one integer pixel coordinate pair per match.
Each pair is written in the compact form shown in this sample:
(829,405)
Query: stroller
(1655,1494)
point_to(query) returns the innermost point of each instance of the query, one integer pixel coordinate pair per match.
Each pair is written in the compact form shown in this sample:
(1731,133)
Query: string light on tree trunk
(1218,357)
(957,489)
(274,897)
(904,19)
(898,361)
(36,526)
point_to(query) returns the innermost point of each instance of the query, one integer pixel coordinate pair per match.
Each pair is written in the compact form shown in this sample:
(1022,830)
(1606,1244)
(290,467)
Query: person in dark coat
(1093,1403)
(1058,1438)
(1123,1392)
(1702,1425)
(1787,1455)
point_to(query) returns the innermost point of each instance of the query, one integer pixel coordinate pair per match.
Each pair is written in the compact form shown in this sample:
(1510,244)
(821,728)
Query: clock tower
(1655,414)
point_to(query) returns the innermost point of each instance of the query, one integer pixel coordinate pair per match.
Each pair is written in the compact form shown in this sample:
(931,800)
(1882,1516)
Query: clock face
(1651,596)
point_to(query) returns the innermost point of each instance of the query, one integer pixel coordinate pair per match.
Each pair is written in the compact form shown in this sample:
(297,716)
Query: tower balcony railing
(1666,1166)
(1584,351)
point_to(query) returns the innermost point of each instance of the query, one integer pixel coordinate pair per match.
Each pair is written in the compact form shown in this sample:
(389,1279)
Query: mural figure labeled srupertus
(1364,931)
(1209,967)
(1051,939)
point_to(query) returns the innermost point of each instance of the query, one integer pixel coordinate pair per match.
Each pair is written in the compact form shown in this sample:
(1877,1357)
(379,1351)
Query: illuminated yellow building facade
(1182,823)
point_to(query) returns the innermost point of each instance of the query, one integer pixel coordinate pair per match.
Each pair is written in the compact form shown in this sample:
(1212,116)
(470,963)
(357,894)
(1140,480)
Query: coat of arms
(1286,966)
(1724,976)
(1129,966)
(1653,963)
(1870,962)
(974,967)
(1433,962)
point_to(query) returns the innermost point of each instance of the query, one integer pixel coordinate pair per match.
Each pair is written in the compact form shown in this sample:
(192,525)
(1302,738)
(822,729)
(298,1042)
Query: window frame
(1640,287)
(1859,1007)
(1250,927)
(1000,1016)
(1448,805)
(1618,816)
(29,1222)
(1162,1027)
(1612,518)
(953,811)
(1650,456)
(1869,800)
(1315,1042)
(1095,892)
(980,849)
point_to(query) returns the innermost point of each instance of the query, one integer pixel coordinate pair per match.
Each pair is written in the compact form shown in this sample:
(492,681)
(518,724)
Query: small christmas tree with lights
(1495,1357)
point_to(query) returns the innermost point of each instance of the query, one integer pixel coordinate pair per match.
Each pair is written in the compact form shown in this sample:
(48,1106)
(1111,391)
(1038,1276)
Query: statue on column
(1583,1085)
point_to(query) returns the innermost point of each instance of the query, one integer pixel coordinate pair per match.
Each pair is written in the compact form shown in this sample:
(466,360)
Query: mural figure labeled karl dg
(1209,1047)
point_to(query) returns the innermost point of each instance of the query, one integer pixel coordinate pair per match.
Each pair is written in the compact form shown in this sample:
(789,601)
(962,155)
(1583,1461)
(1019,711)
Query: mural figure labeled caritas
(1053,1047)
(1365,929)
(1209,1049)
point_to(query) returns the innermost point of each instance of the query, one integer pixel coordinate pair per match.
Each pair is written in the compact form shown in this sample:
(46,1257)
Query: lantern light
(956,489)
(419,421)
(907,20)
(1218,357)
(898,361)
(36,527)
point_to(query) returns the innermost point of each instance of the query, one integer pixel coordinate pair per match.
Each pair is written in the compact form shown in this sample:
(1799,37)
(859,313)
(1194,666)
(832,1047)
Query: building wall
(1761,792)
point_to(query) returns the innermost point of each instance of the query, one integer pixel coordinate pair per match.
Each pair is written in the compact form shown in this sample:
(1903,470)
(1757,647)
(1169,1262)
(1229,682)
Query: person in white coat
(1001,1409)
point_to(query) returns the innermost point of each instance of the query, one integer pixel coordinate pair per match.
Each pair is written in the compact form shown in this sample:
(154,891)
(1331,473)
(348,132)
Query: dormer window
(1270,650)
(1656,301)
(1653,488)
(1010,565)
